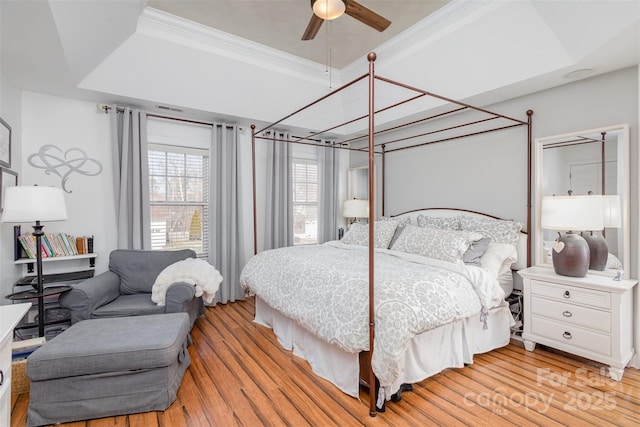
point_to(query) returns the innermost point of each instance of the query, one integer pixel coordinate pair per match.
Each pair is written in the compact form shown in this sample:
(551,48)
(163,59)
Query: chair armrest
(178,294)
(181,298)
(90,294)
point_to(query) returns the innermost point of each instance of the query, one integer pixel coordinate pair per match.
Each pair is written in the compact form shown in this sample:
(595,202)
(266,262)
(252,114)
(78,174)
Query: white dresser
(10,315)
(589,316)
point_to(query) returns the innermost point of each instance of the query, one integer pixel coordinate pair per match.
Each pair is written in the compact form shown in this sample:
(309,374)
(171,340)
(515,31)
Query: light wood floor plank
(241,376)
(604,390)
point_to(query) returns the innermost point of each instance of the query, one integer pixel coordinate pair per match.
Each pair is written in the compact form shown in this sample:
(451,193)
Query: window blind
(179,198)
(305,201)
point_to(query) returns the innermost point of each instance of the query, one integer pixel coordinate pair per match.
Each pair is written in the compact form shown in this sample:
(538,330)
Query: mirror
(586,162)
(358,183)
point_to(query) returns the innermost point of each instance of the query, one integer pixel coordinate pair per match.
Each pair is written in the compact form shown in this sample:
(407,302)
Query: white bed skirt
(449,346)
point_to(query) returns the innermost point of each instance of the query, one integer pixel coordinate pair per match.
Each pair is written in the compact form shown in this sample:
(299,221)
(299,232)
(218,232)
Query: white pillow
(613,262)
(446,245)
(506,282)
(358,234)
(402,222)
(499,230)
(498,258)
(443,223)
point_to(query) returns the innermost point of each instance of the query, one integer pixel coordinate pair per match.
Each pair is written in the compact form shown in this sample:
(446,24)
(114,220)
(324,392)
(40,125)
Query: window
(179,198)
(305,201)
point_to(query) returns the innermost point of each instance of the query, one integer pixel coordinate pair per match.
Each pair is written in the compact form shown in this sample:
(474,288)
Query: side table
(589,316)
(33,293)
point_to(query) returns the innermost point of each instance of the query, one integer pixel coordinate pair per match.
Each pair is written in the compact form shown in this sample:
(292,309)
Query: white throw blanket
(197,272)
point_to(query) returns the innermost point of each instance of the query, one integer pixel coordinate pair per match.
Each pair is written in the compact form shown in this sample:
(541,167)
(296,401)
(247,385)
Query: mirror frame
(622,177)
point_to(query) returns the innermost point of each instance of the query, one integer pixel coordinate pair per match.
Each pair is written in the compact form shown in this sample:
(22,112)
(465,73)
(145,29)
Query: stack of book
(56,245)
(22,349)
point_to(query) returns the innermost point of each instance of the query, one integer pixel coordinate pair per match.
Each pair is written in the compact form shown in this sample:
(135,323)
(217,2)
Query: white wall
(635,237)
(66,124)
(453,174)
(489,173)
(10,111)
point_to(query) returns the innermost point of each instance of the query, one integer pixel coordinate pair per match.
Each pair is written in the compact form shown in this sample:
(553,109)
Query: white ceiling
(124,51)
(280,24)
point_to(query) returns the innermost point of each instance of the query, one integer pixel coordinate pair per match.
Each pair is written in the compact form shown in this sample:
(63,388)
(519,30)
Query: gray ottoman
(105,367)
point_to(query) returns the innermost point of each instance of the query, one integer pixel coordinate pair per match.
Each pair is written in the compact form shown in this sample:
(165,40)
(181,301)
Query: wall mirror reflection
(358,183)
(596,162)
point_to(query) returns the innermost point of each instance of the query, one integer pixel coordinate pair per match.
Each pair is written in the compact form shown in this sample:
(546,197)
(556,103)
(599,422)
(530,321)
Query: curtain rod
(106,108)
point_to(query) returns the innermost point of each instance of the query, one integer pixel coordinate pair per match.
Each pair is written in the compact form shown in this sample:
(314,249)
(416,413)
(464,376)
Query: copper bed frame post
(371,57)
(602,165)
(602,162)
(529,169)
(253,173)
(372,380)
(383,177)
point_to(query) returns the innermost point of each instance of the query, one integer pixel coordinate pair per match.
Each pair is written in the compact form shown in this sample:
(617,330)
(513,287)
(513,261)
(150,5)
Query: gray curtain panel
(226,238)
(279,197)
(131,182)
(327,192)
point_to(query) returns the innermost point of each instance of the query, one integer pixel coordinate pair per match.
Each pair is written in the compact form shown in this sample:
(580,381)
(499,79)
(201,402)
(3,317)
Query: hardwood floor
(239,375)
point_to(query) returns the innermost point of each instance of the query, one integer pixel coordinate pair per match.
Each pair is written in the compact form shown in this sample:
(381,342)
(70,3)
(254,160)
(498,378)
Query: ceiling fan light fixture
(328,9)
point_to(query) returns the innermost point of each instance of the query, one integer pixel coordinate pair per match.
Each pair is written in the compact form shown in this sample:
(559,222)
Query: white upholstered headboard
(522,247)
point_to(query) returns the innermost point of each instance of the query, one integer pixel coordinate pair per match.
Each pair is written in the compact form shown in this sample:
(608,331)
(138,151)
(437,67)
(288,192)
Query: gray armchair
(125,290)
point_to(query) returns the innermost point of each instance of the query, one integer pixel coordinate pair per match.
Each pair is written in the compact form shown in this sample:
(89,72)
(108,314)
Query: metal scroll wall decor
(64,163)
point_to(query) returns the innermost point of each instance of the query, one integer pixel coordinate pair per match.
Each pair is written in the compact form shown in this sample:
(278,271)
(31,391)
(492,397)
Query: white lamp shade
(572,213)
(611,211)
(328,9)
(33,203)
(355,208)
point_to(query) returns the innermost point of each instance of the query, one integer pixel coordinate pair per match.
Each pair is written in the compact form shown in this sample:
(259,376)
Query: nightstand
(588,316)
(10,315)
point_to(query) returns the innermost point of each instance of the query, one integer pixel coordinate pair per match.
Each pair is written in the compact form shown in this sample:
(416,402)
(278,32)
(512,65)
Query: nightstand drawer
(572,314)
(571,335)
(571,294)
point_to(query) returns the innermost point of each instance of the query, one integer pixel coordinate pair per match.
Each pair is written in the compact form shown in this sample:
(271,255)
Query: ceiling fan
(332,9)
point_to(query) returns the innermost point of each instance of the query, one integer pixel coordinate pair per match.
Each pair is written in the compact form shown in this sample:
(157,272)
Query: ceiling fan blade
(313,27)
(366,16)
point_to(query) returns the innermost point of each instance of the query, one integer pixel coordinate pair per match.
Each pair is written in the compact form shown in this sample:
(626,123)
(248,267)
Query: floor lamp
(35,204)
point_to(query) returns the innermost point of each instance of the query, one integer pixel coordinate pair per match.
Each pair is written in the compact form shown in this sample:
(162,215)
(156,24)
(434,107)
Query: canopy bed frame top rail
(381,148)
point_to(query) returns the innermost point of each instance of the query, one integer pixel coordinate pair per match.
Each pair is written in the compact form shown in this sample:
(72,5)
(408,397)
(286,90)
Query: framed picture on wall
(8,178)
(5,144)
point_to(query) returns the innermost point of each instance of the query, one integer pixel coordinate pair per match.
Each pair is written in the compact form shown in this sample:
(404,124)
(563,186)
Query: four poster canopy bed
(440,275)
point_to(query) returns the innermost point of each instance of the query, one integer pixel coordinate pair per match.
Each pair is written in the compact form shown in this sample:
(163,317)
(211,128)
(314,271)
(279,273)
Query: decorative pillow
(442,223)
(499,230)
(475,251)
(358,234)
(498,258)
(446,245)
(402,222)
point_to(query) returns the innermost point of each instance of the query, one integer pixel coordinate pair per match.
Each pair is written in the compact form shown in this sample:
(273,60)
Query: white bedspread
(324,288)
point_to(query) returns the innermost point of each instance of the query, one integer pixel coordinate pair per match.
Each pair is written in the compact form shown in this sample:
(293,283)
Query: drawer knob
(567,294)
(567,313)
(1,377)
(567,335)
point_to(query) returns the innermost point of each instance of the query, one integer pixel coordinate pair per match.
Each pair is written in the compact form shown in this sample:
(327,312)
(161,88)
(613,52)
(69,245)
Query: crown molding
(445,20)
(159,24)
